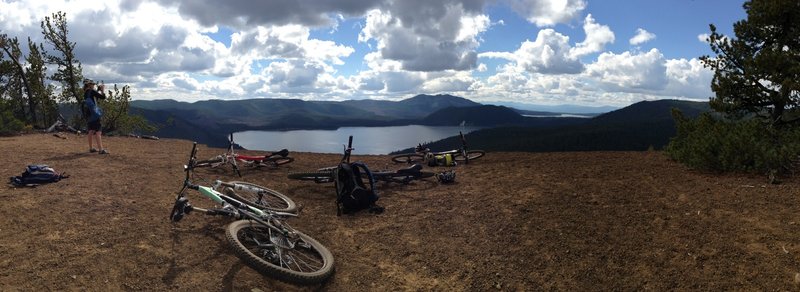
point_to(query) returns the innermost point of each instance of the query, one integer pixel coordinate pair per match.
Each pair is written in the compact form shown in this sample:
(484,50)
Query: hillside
(482,115)
(634,128)
(578,221)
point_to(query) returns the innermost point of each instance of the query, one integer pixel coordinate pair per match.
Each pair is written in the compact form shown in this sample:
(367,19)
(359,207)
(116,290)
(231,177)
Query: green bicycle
(259,236)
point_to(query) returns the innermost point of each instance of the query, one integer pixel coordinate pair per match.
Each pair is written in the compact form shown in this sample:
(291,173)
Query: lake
(366,140)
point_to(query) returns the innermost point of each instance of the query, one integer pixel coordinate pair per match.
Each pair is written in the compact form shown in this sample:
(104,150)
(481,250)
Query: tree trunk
(25,84)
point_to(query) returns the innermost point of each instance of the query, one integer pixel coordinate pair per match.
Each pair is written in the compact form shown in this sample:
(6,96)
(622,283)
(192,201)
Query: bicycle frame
(230,206)
(231,154)
(462,151)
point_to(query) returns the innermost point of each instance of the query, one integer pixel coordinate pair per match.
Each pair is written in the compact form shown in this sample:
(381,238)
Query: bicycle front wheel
(300,260)
(318,176)
(262,198)
(471,154)
(408,158)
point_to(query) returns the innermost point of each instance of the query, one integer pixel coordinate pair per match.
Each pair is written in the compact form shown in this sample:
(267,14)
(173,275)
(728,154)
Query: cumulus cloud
(427,35)
(597,36)
(630,72)
(245,13)
(549,54)
(688,79)
(548,12)
(642,36)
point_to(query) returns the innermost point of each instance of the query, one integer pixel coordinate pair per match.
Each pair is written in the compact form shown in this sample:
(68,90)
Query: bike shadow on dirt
(177,268)
(417,185)
(312,190)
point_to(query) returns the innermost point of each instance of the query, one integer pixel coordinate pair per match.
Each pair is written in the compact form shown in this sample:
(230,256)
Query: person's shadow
(71,156)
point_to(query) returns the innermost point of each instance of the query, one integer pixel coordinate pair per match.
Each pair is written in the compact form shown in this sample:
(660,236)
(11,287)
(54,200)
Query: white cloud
(703,37)
(548,12)
(629,72)
(688,79)
(550,53)
(597,36)
(642,36)
(440,36)
(613,79)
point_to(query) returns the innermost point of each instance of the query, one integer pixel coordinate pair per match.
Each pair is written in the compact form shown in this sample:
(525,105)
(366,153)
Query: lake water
(366,140)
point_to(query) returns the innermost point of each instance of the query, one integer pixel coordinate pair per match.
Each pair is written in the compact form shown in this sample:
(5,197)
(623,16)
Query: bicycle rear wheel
(262,198)
(408,158)
(318,176)
(302,260)
(213,162)
(399,177)
(471,154)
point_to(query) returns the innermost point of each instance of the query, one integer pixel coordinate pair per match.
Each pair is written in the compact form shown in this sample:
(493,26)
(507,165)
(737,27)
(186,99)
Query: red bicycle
(271,159)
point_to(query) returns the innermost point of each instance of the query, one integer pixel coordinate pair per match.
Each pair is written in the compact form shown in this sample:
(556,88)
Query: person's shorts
(95,126)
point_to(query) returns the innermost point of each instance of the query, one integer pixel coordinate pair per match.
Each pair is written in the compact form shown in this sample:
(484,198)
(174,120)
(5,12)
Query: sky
(545,52)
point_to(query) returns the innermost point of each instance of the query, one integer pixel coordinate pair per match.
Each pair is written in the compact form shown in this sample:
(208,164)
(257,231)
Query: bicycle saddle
(411,169)
(282,153)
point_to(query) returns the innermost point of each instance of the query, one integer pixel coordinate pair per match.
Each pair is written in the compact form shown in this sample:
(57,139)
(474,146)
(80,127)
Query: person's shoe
(92,150)
(103,151)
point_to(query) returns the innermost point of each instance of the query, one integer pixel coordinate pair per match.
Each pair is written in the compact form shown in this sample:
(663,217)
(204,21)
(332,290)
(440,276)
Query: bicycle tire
(408,158)
(272,199)
(317,176)
(472,154)
(243,234)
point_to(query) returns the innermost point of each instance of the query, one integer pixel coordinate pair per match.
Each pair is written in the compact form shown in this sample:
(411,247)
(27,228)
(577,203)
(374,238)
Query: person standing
(93,114)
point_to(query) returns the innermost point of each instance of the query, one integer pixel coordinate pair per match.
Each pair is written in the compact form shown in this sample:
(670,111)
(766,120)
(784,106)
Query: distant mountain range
(636,127)
(209,121)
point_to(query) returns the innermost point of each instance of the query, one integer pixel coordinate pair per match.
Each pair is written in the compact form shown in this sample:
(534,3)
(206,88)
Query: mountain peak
(439,101)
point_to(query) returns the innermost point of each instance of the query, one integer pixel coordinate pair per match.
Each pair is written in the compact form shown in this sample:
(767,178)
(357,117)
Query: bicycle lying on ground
(271,159)
(259,236)
(421,155)
(325,175)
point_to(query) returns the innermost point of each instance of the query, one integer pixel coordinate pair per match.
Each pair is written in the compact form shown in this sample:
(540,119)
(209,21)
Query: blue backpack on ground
(352,194)
(36,174)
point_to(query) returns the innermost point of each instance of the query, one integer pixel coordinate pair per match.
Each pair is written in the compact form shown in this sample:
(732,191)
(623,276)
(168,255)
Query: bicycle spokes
(287,251)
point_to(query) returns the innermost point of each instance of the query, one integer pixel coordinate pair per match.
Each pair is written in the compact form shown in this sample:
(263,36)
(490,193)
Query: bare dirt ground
(513,221)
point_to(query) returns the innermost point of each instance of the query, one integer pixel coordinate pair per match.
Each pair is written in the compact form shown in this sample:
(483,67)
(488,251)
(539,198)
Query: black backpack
(36,174)
(352,194)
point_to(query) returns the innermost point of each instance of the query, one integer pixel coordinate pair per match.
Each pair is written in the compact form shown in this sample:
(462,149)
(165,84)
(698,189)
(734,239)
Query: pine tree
(69,72)
(757,73)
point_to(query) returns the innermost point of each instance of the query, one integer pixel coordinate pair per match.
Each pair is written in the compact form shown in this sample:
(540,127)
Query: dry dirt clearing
(513,221)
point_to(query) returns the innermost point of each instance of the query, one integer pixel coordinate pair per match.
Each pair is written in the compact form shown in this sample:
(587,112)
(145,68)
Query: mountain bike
(259,236)
(271,159)
(421,154)
(403,175)
(325,175)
